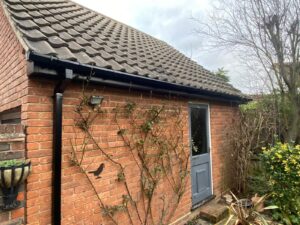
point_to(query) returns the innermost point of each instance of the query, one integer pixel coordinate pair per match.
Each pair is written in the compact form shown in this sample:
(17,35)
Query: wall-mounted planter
(12,174)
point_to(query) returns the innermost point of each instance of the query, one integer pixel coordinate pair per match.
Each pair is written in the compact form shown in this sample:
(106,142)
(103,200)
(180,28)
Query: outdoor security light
(96,100)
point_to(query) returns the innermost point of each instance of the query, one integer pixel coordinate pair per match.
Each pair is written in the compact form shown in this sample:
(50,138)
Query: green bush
(282,164)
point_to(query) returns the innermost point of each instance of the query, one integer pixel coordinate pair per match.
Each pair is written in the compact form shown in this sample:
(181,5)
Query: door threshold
(197,205)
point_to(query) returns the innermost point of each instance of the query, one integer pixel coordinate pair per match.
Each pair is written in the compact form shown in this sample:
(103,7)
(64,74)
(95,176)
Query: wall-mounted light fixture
(96,100)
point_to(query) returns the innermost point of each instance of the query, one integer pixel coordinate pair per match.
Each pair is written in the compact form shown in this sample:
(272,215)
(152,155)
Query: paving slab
(213,211)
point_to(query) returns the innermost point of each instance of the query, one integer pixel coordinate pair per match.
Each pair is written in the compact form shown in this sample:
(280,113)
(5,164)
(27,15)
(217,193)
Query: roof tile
(16,7)
(71,21)
(87,37)
(84,58)
(82,41)
(13,1)
(35,14)
(48,31)
(91,33)
(58,27)
(57,42)
(42,47)
(120,60)
(68,31)
(45,12)
(21,15)
(26,24)
(41,22)
(66,24)
(74,33)
(96,46)
(66,54)
(101,62)
(75,47)
(30,6)
(65,36)
(115,66)
(34,35)
(59,18)
(106,55)
(51,19)
(79,29)
(91,51)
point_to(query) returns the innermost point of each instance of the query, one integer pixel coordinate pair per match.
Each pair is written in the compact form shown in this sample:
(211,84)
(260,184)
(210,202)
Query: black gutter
(57,145)
(116,78)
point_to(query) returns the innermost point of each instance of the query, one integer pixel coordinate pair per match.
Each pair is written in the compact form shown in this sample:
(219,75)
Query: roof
(68,31)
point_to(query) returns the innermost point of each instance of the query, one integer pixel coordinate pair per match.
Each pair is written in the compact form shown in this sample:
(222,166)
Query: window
(199,130)
(11,116)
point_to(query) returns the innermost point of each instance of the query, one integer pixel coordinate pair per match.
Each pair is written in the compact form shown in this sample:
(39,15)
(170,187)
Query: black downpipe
(57,146)
(57,136)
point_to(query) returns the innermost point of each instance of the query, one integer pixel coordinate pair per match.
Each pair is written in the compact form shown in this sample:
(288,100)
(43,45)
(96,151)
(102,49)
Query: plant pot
(10,179)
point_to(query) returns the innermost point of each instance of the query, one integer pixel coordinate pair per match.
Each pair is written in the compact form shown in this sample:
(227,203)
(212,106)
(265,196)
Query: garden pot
(10,179)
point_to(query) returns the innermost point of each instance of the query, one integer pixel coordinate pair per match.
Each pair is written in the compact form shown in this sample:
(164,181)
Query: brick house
(47,49)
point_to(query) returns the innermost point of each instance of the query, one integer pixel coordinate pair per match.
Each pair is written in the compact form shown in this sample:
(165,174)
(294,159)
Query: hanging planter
(12,174)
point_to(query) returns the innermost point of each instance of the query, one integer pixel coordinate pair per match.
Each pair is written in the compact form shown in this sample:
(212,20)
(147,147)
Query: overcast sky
(171,21)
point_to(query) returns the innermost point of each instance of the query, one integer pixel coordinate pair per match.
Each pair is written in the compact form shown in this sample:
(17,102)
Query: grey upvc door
(200,153)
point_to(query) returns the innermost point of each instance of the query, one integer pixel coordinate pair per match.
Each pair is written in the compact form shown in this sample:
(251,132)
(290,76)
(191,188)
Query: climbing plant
(154,141)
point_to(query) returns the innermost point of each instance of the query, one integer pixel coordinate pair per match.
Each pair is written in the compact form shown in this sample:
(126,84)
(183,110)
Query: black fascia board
(116,78)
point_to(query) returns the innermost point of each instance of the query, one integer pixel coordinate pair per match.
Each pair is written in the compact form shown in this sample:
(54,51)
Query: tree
(267,34)
(221,72)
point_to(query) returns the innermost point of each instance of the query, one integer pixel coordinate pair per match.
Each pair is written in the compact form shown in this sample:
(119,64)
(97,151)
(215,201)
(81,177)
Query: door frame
(207,106)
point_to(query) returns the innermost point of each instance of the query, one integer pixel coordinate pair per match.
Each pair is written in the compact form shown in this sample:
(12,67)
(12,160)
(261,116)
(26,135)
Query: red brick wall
(13,82)
(37,116)
(13,79)
(78,196)
(221,117)
(79,203)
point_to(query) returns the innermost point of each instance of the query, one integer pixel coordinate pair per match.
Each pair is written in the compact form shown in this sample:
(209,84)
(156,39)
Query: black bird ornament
(98,171)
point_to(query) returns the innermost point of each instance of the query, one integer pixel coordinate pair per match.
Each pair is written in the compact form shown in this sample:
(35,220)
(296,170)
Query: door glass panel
(199,131)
